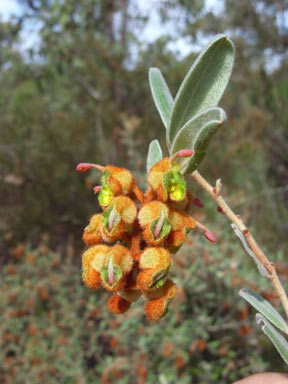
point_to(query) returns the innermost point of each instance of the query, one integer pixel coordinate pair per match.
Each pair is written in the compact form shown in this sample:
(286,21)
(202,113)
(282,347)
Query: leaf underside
(263,306)
(154,154)
(161,94)
(276,338)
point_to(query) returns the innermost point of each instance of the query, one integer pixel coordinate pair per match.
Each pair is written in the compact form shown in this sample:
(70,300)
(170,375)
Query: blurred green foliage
(54,330)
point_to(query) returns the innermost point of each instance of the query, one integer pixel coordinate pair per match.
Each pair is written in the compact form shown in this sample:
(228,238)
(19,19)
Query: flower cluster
(131,242)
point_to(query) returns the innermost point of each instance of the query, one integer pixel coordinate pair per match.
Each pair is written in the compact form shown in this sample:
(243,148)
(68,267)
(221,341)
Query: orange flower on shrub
(141,231)
(115,182)
(153,218)
(181,224)
(157,308)
(118,218)
(117,264)
(92,262)
(154,264)
(166,181)
(92,233)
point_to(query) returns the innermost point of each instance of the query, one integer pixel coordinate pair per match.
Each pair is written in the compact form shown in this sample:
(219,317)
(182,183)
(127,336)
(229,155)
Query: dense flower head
(130,245)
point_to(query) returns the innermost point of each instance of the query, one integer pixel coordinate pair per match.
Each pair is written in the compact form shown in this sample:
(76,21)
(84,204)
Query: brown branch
(215,193)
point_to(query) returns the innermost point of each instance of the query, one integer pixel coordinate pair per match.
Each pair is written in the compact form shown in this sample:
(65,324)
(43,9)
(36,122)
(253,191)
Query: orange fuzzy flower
(118,305)
(181,224)
(157,308)
(117,181)
(118,263)
(166,181)
(118,218)
(92,262)
(123,176)
(154,264)
(153,217)
(92,234)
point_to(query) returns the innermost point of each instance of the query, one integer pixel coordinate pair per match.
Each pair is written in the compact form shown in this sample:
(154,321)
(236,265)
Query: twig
(214,192)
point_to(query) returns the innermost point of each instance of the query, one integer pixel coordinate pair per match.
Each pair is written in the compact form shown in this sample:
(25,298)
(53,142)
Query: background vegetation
(80,93)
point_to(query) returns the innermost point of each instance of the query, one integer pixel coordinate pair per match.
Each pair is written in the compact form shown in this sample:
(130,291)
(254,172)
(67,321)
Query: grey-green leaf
(263,306)
(204,84)
(185,137)
(154,154)
(262,270)
(200,146)
(277,339)
(161,94)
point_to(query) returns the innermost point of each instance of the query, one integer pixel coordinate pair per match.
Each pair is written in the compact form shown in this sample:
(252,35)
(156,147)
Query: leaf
(263,272)
(196,135)
(204,84)
(200,146)
(161,94)
(277,339)
(186,135)
(154,154)
(263,306)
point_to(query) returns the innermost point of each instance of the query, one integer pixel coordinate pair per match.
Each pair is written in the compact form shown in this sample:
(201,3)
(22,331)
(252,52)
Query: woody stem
(214,192)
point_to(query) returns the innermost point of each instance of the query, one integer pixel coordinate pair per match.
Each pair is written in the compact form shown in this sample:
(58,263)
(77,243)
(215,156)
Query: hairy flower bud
(92,233)
(157,308)
(154,264)
(118,218)
(118,263)
(92,261)
(116,181)
(166,181)
(153,217)
(181,224)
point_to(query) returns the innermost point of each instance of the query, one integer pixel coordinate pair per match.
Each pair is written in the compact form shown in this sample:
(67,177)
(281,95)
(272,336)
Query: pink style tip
(210,236)
(198,202)
(83,167)
(97,188)
(185,153)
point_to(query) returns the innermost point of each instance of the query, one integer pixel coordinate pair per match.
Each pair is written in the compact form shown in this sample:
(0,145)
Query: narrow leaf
(186,135)
(200,146)
(196,134)
(161,94)
(204,84)
(263,306)
(154,154)
(263,272)
(277,339)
